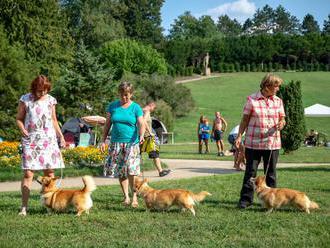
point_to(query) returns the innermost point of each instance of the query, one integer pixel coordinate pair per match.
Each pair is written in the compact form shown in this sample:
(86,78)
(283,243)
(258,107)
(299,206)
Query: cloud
(241,10)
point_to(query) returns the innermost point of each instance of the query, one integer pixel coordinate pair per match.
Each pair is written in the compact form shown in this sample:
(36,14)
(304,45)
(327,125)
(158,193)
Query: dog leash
(59,182)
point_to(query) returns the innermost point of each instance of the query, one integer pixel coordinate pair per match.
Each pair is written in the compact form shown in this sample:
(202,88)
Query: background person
(263,118)
(154,155)
(36,120)
(199,133)
(127,134)
(205,136)
(219,127)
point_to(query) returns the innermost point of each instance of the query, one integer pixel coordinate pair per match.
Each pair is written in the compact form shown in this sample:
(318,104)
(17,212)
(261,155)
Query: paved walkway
(197,78)
(181,169)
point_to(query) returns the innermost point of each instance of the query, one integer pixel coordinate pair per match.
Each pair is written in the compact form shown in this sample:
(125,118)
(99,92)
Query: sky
(241,9)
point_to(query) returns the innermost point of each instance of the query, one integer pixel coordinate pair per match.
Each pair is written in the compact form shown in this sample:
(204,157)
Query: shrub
(294,131)
(160,87)
(163,112)
(270,67)
(8,127)
(248,67)
(237,67)
(132,56)
(253,67)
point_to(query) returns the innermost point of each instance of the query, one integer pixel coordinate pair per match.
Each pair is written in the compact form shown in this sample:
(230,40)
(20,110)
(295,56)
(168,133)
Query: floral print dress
(40,148)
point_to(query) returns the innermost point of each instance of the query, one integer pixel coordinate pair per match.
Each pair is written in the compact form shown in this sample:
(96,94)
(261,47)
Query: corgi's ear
(55,178)
(145,180)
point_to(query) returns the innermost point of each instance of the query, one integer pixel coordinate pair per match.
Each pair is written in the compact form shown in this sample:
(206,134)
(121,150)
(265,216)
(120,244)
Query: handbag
(149,145)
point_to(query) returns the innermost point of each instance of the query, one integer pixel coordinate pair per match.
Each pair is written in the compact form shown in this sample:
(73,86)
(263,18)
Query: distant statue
(206,68)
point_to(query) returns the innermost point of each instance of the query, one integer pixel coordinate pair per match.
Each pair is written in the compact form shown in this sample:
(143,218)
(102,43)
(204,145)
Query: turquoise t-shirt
(124,122)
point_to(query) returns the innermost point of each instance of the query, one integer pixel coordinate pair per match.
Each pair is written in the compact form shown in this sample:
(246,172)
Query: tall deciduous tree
(294,131)
(310,25)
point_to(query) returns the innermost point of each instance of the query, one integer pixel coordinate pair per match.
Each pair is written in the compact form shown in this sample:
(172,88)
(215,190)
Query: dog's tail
(200,196)
(89,184)
(313,205)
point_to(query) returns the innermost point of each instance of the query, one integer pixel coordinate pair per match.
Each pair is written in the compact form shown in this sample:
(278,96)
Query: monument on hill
(206,68)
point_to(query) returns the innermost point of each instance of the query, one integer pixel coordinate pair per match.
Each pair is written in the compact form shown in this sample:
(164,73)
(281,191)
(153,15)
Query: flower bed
(79,156)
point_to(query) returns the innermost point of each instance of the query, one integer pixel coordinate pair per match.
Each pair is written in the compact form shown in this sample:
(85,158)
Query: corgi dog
(56,199)
(273,198)
(164,199)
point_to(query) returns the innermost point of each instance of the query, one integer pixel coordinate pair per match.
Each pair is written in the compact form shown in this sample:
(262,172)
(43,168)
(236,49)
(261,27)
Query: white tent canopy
(317,110)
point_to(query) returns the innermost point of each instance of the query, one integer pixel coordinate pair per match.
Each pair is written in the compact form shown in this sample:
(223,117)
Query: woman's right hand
(24,133)
(102,147)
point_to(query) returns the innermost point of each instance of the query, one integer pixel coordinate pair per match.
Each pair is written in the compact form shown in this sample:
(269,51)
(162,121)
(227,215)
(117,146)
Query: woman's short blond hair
(270,80)
(125,87)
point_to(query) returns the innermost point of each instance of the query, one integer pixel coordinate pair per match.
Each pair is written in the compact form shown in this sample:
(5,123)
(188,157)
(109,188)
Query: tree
(143,20)
(263,20)
(41,29)
(132,56)
(285,22)
(310,25)
(86,86)
(95,21)
(326,26)
(229,27)
(184,27)
(206,27)
(294,131)
(15,75)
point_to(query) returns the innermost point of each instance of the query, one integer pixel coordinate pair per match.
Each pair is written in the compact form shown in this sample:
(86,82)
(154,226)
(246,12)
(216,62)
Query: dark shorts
(218,135)
(153,154)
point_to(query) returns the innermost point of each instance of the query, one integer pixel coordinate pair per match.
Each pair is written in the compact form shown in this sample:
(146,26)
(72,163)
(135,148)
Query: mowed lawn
(190,151)
(218,223)
(228,94)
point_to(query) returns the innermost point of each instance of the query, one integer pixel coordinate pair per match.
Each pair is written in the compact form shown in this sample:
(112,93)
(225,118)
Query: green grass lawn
(190,151)
(228,94)
(217,223)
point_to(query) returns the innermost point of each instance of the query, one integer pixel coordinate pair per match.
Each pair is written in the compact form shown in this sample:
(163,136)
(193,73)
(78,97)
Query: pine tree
(294,131)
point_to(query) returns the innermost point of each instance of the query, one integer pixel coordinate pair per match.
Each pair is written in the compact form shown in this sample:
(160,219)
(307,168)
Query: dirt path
(181,169)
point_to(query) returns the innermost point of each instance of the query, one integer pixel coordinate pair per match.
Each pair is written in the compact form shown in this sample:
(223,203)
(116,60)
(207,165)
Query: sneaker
(219,154)
(164,173)
(222,154)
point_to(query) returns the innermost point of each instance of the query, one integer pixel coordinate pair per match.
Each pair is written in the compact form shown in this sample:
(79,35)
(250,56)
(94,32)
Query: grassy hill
(228,94)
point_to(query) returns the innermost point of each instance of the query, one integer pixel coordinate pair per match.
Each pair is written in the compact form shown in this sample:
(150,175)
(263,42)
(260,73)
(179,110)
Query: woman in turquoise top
(127,133)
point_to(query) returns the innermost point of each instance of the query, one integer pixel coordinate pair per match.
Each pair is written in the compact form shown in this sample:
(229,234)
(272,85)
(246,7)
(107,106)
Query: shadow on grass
(209,170)
(305,169)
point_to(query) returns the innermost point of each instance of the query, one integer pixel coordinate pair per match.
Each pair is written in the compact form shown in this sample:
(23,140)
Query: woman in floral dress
(36,120)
